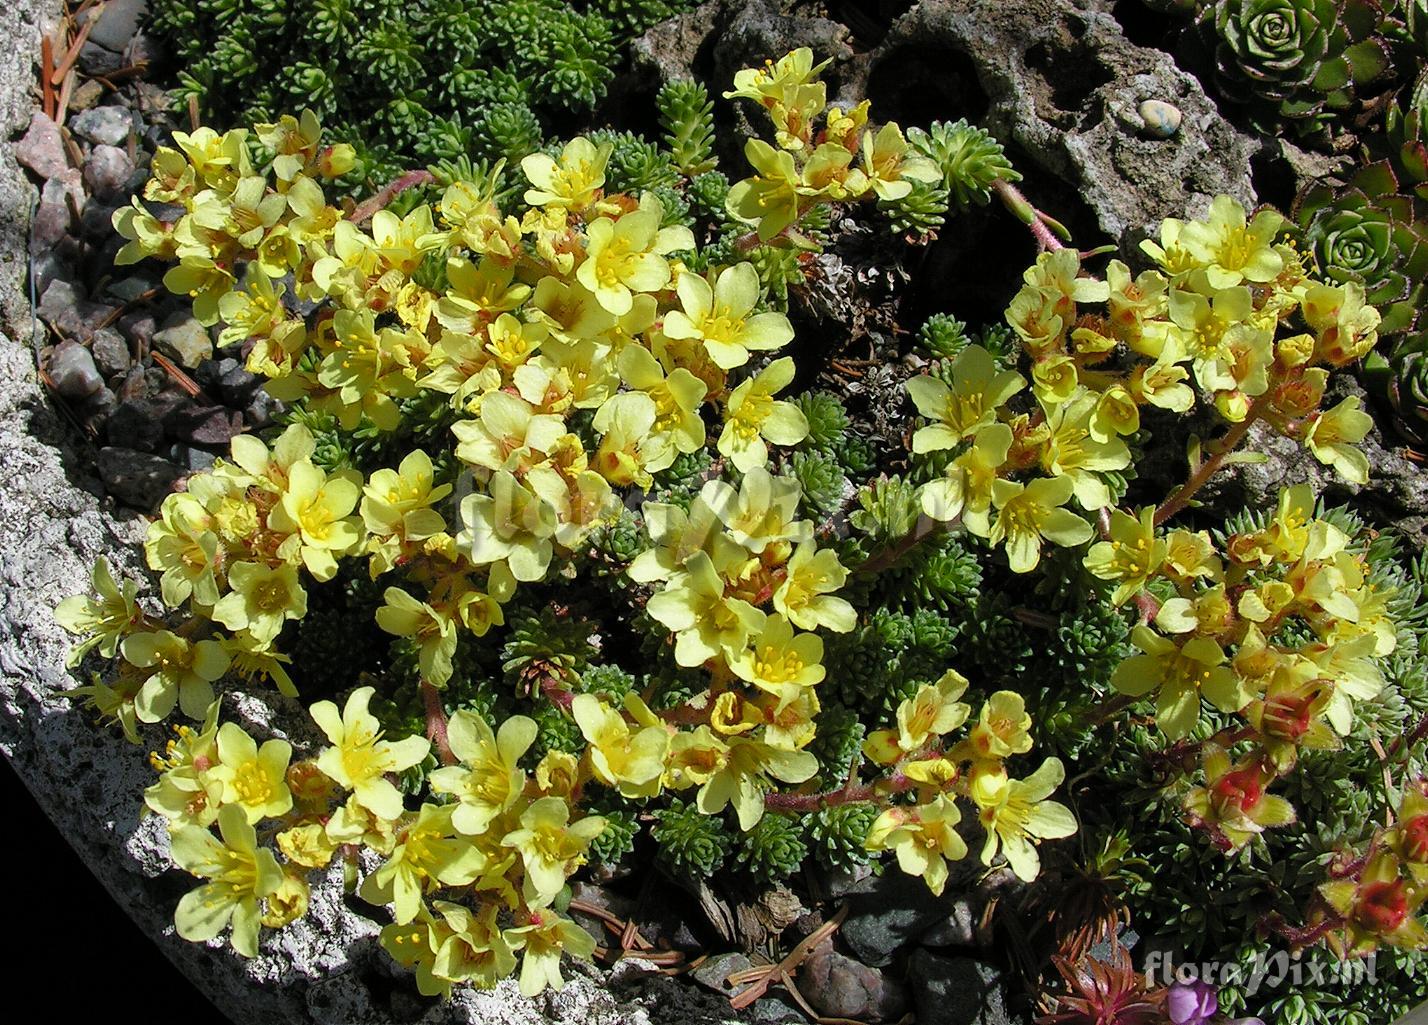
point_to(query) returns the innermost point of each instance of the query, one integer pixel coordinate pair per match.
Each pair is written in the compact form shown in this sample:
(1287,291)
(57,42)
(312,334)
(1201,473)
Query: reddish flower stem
(436,723)
(1227,444)
(409,180)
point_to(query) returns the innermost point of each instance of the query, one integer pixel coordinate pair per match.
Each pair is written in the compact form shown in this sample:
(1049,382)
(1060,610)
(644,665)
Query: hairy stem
(436,723)
(1020,207)
(409,180)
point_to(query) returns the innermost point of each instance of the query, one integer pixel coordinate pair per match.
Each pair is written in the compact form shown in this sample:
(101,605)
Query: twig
(765,975)
(47,89)
(72,54)
(180,378)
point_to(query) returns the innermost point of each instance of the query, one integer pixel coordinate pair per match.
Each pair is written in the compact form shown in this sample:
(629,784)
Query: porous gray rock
(1062,84)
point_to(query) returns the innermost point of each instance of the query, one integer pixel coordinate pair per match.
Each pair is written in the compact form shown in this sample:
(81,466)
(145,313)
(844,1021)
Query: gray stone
(184,339)
(714,972)
(260,411)
(63,306)
(73,372)
(107,171)
(110,351)
(136,423)
(888,912)
(117,23)
(957,991)
(96,224)
(192,459)
(137,479)
(839,987)
(41,149)
(959,928)
(98,60)
(139,327)
(128,289)
(109,125)
(47,267)
(203,425)
(52,222)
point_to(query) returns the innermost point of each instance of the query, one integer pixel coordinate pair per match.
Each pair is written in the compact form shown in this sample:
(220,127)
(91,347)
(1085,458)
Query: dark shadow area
(918,85)
(75,945)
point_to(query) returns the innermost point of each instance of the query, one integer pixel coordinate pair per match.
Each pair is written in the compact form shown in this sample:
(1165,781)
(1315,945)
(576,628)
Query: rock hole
(916,85)
(1143,26)
(1071,74)
(1273,179)
(868,21)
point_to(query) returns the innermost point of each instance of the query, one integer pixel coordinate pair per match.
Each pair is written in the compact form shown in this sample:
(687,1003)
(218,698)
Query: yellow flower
(359,758)
(428,854)
(706,624)
(473,947)
(739,779)
(104,619)
(965,489)
(1022,816)
(722,317)
(777,659)
(888,167)
(1003,727)
(753,417)
(403,615)
(180,673)
(1333,436)
(931,712)
(924,838)
(509,433)
(1130,557)
(1380,906)
(574,182)
(770,200)
(1227,250)
(1028,512)
(546,938)
(630,762)
(262,599)
(253,778)
(316,509)
(761,512)
(240,874)
(677,397)
(630,450)
(806,597)
(551,846)
(489,779)
(627,255)
(1179,674)
(512,525)
(977,391)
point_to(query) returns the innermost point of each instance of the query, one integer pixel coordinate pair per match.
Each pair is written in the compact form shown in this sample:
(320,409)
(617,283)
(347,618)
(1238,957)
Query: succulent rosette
(1295,60)
(1408,393)
(1371,233)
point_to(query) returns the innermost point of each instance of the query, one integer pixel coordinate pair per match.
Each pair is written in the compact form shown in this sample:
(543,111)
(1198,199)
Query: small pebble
(107,171)
(40,148)
(73,372)
(136,424)
(110,351)
(184,339)
(107,126)
(136,478)
(1161,119)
